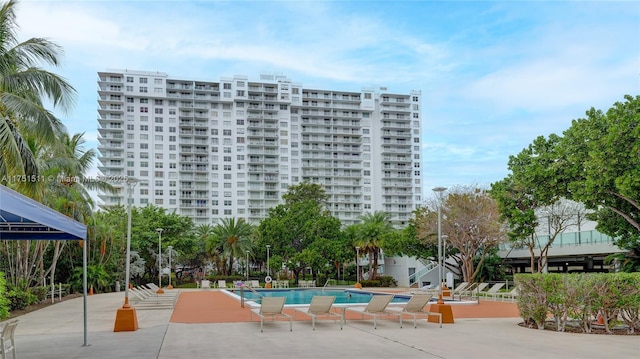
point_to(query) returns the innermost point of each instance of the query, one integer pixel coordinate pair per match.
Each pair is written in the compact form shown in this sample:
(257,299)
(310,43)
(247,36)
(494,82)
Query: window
(240,93)
(158,128)
(143,89)
(144,109)
(157,119)
(158,111)
(157,102)
(130,108)
(226,132)
(144,146)
(129,78)
(226,86)
(143,80)
(129,88)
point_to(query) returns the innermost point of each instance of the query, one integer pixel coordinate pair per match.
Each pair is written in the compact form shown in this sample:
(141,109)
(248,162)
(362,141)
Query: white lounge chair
(205,284)
(7,341)
(415,307)
(375,308)
(493,290)
(272,307)
(472,290)
(321,305)
(222,283)
(167,292)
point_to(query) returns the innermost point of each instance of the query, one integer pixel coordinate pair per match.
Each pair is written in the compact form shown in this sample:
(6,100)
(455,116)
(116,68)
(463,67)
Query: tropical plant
(370,235)
(231,237)
(24,87)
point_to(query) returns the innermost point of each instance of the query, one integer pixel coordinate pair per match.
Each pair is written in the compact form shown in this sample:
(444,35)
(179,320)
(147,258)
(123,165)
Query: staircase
(428,267)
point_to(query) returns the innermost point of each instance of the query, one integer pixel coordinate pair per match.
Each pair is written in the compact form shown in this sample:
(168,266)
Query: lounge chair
(320,305)
(493,291)
(222,283)
(375,308)
(512,295)
(143,300)
(272,307)
(7,342)
(155,289)
(457,290)
(205,284)
(415,307)
(471,290)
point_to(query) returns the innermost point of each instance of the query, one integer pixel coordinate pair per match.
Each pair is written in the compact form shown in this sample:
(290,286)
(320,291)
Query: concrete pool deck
(57,332)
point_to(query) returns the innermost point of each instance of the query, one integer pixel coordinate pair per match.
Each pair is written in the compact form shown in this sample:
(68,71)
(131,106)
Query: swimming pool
(303,296)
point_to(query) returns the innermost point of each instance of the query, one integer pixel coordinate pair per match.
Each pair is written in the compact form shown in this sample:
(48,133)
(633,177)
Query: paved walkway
(57,332)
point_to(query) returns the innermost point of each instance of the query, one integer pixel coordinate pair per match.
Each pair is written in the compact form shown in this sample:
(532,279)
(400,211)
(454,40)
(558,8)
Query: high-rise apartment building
(231,148)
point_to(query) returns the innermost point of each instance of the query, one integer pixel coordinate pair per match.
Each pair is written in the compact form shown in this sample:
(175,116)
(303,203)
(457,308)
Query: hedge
(580,297)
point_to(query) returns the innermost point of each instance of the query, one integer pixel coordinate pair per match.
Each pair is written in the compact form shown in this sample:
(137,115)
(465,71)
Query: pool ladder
(327,283)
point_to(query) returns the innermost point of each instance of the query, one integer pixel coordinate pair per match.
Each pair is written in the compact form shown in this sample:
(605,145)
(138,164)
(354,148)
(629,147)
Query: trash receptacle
(117,286)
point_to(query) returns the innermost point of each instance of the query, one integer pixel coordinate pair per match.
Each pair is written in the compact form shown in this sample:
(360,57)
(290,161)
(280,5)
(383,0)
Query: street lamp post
(170,248)
(160,290)
(357,265)
(439,191)
(247,265)
(268,246)
(126,317)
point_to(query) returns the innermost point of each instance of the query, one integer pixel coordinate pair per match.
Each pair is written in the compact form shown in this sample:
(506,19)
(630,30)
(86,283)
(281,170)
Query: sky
(493,75)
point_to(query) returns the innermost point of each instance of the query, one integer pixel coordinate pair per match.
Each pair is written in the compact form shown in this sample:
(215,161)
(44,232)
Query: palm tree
(370,233)
(233,238)
(204,233)
(23,87)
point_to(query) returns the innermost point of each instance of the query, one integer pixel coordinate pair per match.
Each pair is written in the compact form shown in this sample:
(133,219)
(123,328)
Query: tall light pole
(126,317)
(247,265)
(160,290)
(170,248)
(357,265)
(439,191)
(268,246)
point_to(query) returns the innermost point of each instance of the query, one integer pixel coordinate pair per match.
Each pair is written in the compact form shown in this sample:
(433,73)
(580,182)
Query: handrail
(428,267)
(254,291)
(327,282)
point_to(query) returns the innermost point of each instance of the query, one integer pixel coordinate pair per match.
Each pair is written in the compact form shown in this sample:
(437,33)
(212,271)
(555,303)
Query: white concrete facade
(231,148)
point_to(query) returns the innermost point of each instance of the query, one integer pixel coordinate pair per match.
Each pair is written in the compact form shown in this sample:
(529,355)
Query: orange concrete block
(445,310)
(126,320)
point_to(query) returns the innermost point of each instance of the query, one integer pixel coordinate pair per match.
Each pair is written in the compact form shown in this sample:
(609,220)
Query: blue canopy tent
(22,218)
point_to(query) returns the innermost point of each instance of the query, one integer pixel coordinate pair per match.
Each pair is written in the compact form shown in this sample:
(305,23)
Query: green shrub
(19,299)
(40,292)
(387,281)
(4,301)
(370,283)
(580,297)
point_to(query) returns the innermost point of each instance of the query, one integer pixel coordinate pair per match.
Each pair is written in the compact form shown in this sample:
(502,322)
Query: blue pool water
(303,296)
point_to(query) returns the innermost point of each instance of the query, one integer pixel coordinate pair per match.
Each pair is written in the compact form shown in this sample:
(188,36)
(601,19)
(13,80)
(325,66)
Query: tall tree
(472,224)
(601,161)
(23,88)
(370,234)
(232,237)
(295,225)
(596,163)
